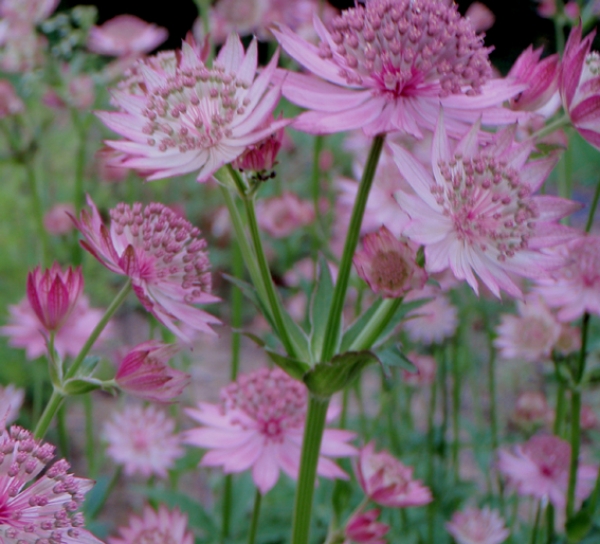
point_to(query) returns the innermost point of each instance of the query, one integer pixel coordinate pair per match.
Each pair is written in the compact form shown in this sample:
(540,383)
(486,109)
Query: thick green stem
(536,524)
(90,435)
(550,524)
(376,325)
(311,445)
(339,294)
(315,177)
(63,433)
(255,516)
(226,510)
(48,414)
(456,393)
(560,408)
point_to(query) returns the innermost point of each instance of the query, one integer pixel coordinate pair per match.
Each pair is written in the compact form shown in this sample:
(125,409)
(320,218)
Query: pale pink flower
(389,265)
(476,213)
(11,400)
(10,103)
(575,287)
(475,526)
(482,18)
(579,85)
(389,66)
(530,336)
(532,410)
(38,508)
(280,216)
(425,370)
(143,441)
(180,116)
(125,35)
(163,255)
(53,294)
(25,330)
(540,468)
(432,322)
(144,372)
(259,425)
(57,220)
(155,527)
(386,481)
(363,528)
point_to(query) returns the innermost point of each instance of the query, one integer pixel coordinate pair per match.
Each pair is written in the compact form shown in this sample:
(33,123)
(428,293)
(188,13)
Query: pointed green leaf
(296,369)
(358,325)
(320,304)
(392,356)
(400,315)
(78,386)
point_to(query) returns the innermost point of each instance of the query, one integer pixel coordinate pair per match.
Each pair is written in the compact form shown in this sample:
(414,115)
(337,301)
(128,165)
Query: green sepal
(320,304)
(89,365)
(79,386)
(296,369)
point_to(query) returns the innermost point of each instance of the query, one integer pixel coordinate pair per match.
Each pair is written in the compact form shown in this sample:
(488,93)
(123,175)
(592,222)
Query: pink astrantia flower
(575,287)
(389,65)
(475,526)
(144,372)
(143,441)
(53,294)
(540,468)
(259,424)
(281,215)
(25,330)
(125,35)
(180,116)
(156,527)
(579,83)
(39,508)
(476,213)
(432,322)
(532,410)
(531,335)
(57,220)
(11,400)
(424,375)
(386,481)
(388,264)
(363,528)
(163,255)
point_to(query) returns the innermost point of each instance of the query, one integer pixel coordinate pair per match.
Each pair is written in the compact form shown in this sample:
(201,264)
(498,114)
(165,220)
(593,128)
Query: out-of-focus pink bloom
(388,264)
(21,48)
(39,508)
(588,418)
(25,330)
(389,66)
(571,10)
(579,85)
(281,215)
(386,481)
(30,11)
(81,92)
(569,340)
(475,526)
(57,220)
(260,157)
(159,527)
(532,410)
(53,294)
(363,528)
(259,424)
(530,336)
(179,116)
(142,440)
(575,287)
(425,370)
(432,322)
(11,400)
(482,18)
(476,213)
(540,468)
(144,372)
(109,164)
(51,99)
(546,8)
(540,76)
(10,103)
(163,255)
(125,35)
(303,271)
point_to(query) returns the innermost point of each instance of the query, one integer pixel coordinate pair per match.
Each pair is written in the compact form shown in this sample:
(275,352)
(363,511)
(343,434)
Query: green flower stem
(456,394)
(339,294)
(557,124)
(63,433)
(311,446)
(81,126)
(593,206)
(37,209)
(226,510)
(90,435)
(560,408)
(315,177)
(494,410)
(48,413)
(255,516)
(536,524)
(550,523)
(376,325)
(109,488)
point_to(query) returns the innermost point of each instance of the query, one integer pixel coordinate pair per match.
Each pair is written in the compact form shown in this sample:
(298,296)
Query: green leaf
(400,315)
(296,369)
(358,325)
(342,492)
(248,291)
(79,386)
(256,339)
(392,356)
(319,307)
(297,336)
(327,378)
(578,526)
(89,365)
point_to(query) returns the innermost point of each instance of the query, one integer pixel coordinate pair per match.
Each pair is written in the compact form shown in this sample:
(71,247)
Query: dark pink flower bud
(364,528)
(540,75)
(53,294)
(144,372)
(260,157)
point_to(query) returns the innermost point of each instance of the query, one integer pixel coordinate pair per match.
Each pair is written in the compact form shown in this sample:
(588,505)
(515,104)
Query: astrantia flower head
(259,424)
(163,255)
(180,116)
(39,509)
(386,481)
(389,265)
(363,528)
(476,213)
(532,410)
(155,527)
(475,526)
(143,441)
(389,65)
(432,322)
(540,468)
(282,215)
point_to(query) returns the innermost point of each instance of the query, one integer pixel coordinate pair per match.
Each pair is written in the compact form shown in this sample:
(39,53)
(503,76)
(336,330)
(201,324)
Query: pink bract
(155,526)
(259,425)
(125,35)
(180,116)
(386,481)
(282,215)
(363,528)
(475,212)
(163,255)
(389,65)
(475,526)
